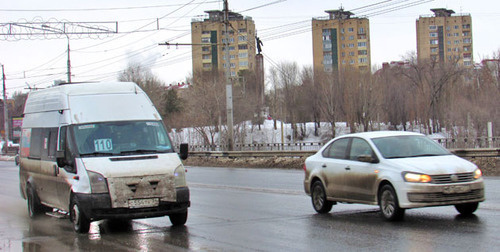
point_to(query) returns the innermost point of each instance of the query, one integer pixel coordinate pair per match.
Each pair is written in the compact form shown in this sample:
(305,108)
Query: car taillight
(305,168)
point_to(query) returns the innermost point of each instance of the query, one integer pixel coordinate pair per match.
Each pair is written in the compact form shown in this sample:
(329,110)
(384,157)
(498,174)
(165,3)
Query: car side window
(337,149)
(359,147)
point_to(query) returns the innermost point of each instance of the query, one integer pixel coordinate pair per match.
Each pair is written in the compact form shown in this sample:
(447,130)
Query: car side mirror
(367,159)
(184,151)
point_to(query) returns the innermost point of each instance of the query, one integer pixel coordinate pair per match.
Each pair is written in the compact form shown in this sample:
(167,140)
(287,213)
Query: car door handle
(323,165)
(348,168)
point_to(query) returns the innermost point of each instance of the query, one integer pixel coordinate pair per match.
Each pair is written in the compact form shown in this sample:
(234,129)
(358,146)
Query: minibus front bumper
(98,207)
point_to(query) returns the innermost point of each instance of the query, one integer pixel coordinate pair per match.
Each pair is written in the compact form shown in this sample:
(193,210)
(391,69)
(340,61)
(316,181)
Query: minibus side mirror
(184,151)
(61,160)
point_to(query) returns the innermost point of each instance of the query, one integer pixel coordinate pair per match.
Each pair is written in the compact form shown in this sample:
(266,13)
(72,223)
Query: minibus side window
(36,143)
(65,157)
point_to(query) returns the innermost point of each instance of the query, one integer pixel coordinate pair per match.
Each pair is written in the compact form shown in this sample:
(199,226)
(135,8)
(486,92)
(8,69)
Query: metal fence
(448,143)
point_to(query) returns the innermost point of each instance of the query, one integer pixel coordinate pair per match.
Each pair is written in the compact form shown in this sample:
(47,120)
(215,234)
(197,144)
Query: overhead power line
(101,9)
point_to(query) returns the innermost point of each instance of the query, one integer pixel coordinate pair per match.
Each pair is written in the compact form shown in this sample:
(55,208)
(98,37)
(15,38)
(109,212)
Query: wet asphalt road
(254,210)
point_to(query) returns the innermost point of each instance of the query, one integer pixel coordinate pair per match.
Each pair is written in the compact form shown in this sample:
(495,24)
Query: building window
(233,73)
(205,32)
(205,40)
(466,34)
(434,41)
(361,30)
(327,46)
(466,48)
(434,50)
(233,65)
(243,63)
(457,42)
(342,30)
(466,26)
(467,40)
(343,45)
(207,65)
(243,30)
(242,47)
(243,55)
(206,56)
(351,45)
(361,44)
(433,34)
(467,63)
(456,27)
(352,62)
(343,54)
(326,32)
(363,60)
(326,38)
(455,34)
(362,52)
(350,29)
(342,38)
(351,37)
(231,40)
(456,49)
(242,38)
(205,49)
(432,27)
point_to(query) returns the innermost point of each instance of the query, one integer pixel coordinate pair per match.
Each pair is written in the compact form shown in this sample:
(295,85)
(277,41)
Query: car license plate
(138,203)
(456,189)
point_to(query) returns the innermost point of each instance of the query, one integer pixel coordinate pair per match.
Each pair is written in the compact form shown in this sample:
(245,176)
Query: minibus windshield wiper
(95,154)
(140,151)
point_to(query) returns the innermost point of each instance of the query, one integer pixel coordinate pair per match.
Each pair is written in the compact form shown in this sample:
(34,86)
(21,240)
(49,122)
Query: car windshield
(121,138)
(408,146)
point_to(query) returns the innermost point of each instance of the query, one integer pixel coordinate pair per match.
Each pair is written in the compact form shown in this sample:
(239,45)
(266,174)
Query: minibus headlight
(180,176)
(416,177)
(98,183)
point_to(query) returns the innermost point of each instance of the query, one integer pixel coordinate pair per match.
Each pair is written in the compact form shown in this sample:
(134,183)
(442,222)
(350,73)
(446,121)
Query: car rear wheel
(178,219)
(318,197)
(81,224)
(467,208)
(389,204)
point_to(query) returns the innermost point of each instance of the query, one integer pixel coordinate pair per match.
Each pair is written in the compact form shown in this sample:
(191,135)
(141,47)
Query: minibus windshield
(121,138)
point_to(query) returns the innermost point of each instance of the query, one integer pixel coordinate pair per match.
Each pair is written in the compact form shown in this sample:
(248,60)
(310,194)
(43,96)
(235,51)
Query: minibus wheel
(81,224)
(35,208)
(178,219)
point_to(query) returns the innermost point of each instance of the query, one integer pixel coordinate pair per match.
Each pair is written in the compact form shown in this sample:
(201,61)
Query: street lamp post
(69,58)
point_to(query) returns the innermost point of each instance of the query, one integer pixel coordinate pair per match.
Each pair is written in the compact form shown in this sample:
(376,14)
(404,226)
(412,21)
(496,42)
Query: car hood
(448,164)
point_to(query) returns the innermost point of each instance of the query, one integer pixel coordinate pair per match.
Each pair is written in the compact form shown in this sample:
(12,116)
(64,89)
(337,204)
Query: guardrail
(469,153)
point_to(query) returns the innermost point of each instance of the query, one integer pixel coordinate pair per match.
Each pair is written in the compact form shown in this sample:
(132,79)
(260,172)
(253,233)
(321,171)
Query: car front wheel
(319,200)
(467,208)
(389,204)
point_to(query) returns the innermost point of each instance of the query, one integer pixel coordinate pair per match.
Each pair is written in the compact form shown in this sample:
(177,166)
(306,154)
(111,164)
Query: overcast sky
(283,26)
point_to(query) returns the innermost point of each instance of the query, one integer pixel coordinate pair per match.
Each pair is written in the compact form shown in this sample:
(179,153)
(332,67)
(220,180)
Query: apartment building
(208,36)
(445,37)
(340,41)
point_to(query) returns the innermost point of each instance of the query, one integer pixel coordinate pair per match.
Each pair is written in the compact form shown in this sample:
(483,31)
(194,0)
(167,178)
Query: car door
(333,166)
(360,176)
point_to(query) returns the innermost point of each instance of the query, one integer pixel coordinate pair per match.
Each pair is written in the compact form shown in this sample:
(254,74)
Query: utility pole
(5,110)
(69,60)
(229,85)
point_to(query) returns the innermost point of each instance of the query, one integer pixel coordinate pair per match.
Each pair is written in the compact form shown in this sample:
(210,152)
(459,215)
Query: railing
(449,143)
(468,153)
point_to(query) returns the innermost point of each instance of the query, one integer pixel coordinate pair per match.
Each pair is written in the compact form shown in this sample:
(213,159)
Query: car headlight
(180,176)
(478,173)
(98,183)
(416,177)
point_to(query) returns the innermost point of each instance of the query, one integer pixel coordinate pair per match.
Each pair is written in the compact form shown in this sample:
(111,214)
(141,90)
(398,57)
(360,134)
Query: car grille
(437,197)
(452,178)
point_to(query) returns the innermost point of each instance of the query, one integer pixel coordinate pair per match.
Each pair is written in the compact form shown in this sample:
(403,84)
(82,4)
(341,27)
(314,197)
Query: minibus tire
(35,208)
(81,224)
(178,219)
